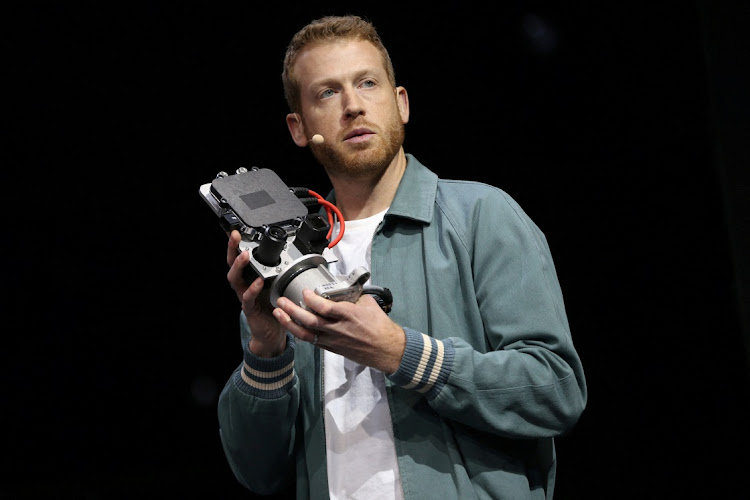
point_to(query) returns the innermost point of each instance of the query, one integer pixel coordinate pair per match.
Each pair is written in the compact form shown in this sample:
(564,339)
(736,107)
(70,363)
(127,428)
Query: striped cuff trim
(268,378)
(426,364)
(268,381)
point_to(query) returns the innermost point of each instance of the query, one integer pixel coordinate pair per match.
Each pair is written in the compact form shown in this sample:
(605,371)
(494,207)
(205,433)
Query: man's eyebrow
(331,81)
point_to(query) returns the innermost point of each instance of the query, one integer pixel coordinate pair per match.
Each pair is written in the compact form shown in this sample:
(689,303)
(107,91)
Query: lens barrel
(269,249)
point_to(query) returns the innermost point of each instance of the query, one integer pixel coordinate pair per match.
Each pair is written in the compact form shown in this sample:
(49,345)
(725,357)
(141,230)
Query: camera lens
(269,249)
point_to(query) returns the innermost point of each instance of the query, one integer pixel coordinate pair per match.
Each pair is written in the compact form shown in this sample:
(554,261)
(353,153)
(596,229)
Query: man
(459,391)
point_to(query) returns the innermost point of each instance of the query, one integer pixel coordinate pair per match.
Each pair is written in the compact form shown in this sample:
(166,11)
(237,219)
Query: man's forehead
(326,60)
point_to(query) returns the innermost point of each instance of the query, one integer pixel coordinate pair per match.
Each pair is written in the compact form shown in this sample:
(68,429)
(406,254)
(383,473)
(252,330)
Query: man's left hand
(358,331)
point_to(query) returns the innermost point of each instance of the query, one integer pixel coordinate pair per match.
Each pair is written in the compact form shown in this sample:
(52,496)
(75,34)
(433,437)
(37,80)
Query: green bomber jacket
(489,376)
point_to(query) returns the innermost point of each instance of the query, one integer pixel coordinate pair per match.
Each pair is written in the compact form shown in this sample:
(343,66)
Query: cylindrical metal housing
(269,249)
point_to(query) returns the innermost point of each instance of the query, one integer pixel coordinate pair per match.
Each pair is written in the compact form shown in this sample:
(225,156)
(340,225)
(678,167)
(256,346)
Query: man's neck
(361,197)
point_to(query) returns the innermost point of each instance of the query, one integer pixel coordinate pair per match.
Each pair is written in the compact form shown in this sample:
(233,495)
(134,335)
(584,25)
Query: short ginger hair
(329,29)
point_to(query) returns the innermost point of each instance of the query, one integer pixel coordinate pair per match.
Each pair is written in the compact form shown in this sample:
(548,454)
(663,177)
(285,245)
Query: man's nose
(353,105)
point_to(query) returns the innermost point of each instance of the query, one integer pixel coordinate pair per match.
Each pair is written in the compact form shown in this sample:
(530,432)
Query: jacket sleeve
(257,410)
(527,381)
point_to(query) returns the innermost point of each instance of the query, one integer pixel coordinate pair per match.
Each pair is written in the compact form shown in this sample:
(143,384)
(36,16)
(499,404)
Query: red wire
(331,207)
(328,212)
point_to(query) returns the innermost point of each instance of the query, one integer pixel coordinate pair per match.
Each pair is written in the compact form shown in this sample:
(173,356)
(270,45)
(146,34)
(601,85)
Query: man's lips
(359,135)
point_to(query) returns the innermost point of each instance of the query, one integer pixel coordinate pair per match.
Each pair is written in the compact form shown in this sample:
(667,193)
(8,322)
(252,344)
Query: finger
(235,274)
(367,300)
(233,246)
(299,331)
(319,305)
(299,315)
(252,301)
(251,293)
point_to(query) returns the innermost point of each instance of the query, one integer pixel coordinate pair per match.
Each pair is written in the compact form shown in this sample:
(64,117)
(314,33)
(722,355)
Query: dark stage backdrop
(603,120)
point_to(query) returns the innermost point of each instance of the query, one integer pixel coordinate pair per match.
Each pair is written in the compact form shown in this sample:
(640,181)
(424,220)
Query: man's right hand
(268,337)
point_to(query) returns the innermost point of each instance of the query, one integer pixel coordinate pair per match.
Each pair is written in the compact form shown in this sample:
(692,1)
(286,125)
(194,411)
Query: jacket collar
(415,196)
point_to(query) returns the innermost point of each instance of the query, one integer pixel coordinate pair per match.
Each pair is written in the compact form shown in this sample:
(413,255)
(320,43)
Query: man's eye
(368,83)
(326,93)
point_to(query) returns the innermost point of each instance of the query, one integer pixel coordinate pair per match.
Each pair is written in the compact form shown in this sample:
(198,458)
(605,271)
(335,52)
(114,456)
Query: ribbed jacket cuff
(426,364)
(267,378)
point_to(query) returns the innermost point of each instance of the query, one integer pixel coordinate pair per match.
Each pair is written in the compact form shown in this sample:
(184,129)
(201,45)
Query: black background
(621,128)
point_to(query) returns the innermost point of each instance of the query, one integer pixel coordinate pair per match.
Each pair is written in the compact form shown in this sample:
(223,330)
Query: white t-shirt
(361,454)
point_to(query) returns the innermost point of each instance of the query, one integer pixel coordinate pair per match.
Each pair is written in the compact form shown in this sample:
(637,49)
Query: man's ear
(402,99)
(296,129)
